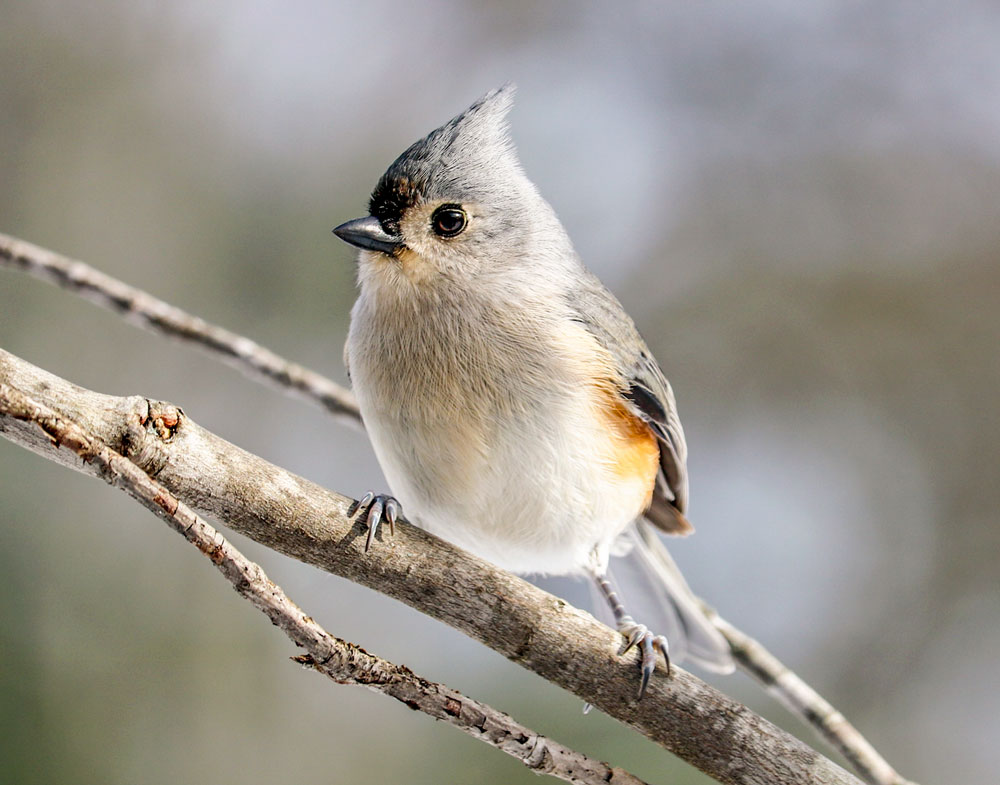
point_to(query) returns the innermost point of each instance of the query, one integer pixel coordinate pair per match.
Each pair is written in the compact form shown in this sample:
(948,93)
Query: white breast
(488,433)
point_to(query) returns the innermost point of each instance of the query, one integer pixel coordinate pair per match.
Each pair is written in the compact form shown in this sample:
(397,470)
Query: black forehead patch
(393,196)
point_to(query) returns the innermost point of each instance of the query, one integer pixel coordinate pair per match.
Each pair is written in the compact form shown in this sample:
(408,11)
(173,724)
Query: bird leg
(635,634)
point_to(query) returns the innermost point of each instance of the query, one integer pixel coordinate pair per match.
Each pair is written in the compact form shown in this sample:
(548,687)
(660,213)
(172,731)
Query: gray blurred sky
(798,202)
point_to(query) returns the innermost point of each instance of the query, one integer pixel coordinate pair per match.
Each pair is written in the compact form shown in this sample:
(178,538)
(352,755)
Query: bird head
(455,203)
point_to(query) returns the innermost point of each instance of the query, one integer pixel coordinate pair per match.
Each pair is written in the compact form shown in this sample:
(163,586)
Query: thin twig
(158,316)
(542,633)
(341,661)
(120,297)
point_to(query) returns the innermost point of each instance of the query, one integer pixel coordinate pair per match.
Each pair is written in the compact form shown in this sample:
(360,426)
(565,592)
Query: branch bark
(528,626)
(341,661)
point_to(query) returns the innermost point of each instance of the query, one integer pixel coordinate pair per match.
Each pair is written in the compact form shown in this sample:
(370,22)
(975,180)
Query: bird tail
(655,593)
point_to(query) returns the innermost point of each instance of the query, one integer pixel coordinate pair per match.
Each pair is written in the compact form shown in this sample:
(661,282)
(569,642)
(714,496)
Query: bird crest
(470,157)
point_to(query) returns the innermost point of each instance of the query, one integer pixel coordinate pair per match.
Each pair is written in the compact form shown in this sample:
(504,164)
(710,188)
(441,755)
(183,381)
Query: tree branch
(259,363)
(341,661)
(803,701)
(527,625)
(158,316)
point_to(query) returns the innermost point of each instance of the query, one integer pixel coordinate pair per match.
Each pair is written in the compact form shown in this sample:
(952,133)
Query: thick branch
(525,624)
(343,662)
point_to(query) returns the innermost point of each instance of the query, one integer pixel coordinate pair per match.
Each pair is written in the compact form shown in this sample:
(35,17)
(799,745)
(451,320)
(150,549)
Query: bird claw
(379,506)
(635,634)
(649,644)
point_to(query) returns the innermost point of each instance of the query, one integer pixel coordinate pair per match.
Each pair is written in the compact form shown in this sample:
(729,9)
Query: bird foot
(635,634)
(378,506)
(648,643)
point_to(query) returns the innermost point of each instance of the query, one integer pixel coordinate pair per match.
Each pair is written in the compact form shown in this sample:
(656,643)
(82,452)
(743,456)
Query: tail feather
(655,593)
(666,517)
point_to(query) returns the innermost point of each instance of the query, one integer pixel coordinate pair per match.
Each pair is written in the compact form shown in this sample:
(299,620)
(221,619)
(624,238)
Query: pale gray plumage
(501,382)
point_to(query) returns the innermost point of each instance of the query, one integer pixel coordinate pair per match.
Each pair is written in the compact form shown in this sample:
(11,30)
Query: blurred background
(799,203)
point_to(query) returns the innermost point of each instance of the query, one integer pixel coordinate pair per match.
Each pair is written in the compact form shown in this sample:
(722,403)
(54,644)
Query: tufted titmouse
(511,402)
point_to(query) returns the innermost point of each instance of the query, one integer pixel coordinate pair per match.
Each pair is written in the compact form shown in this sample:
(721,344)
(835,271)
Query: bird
(511,403)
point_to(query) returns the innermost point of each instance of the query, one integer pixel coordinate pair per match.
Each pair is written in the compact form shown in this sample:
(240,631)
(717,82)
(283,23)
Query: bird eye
(449,220)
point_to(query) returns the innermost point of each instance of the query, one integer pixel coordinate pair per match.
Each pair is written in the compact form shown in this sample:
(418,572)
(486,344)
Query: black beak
(368,233)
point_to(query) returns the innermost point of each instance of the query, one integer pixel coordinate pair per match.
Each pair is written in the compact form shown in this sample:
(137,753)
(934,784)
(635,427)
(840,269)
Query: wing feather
(646,391)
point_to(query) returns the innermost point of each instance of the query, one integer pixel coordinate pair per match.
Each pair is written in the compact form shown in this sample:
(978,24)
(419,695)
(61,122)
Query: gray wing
(648,393)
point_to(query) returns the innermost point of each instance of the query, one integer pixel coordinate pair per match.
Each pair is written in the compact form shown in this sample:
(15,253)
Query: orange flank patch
(635,453)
